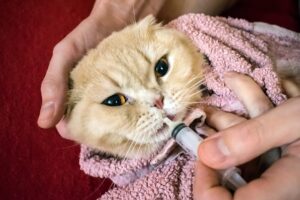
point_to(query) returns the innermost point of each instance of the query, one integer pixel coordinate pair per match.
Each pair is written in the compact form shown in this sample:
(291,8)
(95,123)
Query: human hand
(241,140)
(106,16)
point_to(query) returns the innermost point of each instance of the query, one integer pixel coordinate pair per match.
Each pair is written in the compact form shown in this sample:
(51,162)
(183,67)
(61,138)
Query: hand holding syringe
(189,141)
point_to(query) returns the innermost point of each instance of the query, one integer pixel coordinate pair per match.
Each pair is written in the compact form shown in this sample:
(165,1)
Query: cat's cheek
(74,123)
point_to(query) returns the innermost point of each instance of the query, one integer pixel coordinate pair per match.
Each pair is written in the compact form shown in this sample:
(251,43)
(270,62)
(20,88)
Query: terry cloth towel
(230,45)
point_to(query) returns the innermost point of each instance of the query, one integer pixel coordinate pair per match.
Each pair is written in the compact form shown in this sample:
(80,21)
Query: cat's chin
(152,145)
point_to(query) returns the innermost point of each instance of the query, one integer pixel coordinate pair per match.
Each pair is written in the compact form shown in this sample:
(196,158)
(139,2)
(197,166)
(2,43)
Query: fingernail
(216,149)
(47,111)
(230,74)
(229,79)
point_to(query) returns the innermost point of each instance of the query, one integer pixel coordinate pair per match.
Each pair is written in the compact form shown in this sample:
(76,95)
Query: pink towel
(230,45)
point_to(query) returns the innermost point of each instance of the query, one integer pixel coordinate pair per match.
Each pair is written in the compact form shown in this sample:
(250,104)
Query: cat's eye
(161,67)
(115,100)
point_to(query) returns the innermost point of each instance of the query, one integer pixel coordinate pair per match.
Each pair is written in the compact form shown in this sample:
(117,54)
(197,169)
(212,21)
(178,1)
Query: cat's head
(122,89)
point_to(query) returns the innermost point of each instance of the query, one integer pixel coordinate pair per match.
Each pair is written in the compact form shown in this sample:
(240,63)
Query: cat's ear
(148,21)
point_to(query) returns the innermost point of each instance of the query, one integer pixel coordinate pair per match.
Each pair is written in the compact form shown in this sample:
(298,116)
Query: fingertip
(249,93)
(50,114)
(53,92)
(230,76)
(214,153)
(46,114)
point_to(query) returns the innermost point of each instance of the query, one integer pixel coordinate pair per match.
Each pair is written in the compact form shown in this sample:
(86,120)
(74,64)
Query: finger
(291,88)
(249,139)
(207,185)
(220,120)
(292,149)
(249,93)
(205,130)
(280,181)
(54,86)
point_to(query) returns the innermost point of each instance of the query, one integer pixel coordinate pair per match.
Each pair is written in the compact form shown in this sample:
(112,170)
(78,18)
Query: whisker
(131,124)
(111,186)
(132,142)
(68,147)
(191,80)
(191,102)
(194,93)
(138,151)
(119,18)
(197,83)
(188,89)
(185,91)
(129,149)
(133,12)
(184,87)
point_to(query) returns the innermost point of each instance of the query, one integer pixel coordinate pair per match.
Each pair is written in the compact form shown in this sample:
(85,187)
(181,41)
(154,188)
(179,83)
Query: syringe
(189,141)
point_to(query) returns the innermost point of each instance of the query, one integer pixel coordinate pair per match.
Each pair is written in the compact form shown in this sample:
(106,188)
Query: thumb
(249,139)
(65,54)
(54,86)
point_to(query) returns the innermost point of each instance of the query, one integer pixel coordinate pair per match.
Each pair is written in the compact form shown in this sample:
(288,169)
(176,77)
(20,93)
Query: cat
(122,89)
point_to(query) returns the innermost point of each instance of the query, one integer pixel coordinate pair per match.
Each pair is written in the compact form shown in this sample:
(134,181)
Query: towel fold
(230,45)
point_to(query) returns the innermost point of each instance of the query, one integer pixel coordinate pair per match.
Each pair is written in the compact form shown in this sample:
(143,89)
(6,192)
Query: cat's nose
(159,103)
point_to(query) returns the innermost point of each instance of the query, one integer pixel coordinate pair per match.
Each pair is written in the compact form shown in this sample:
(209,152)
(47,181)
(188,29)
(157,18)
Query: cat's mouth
(162,129)
(171,117)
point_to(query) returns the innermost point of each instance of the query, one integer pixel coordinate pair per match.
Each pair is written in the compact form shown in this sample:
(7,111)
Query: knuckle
(247,141)
(62,46)
(69,49)
(258,132)
(57,48)
(46,82)
(48,85)
(231,121)
(261,106)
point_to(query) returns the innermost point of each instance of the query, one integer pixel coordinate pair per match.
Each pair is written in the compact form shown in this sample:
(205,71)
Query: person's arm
(240,140)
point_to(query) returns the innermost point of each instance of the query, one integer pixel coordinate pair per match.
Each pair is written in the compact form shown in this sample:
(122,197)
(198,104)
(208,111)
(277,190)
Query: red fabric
(282,13)
(36,163)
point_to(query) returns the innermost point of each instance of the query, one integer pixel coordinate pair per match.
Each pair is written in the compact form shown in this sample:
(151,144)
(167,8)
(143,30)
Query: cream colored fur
(124,63)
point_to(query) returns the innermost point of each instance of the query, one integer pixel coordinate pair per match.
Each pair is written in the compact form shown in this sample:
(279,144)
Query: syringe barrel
(189,141)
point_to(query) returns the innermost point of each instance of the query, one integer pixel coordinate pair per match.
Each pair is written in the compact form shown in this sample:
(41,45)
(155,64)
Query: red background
(36,163)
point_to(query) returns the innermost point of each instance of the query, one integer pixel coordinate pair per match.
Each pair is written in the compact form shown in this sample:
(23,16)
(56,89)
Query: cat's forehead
(126,62)
(127,59)
(127,69)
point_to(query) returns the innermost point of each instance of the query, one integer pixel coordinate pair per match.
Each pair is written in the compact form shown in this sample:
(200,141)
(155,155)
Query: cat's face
(124,88)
